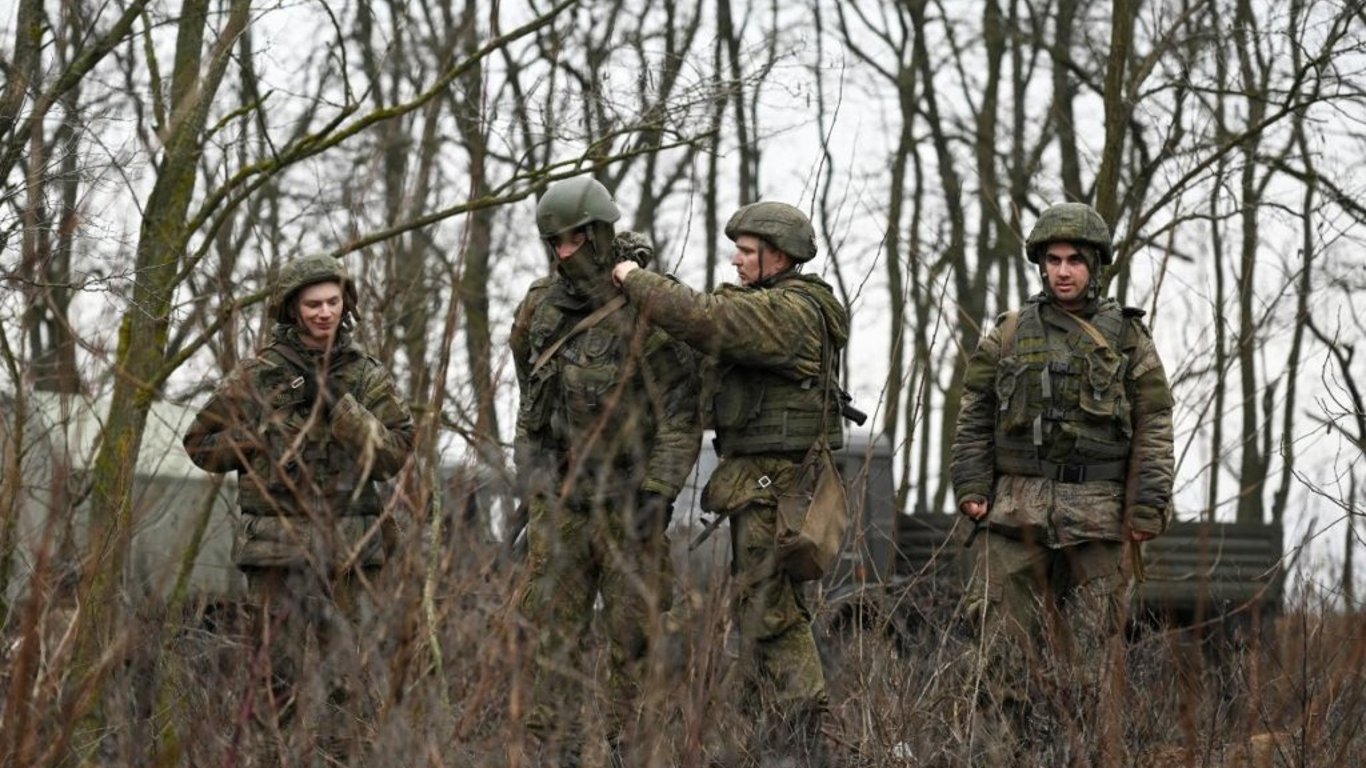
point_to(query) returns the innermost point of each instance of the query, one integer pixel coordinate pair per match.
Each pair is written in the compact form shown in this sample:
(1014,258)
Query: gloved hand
(331,391)
(652,514)
(632,246)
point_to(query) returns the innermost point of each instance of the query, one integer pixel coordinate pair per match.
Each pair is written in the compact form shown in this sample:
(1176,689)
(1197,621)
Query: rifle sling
(583,325)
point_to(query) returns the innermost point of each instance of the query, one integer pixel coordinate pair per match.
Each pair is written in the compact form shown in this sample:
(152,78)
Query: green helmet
(573,203)
(1076,223)
(783,226)
(306,271)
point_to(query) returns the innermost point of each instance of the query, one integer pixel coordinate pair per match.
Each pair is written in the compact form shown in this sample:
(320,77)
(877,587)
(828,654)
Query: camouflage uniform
(767,341)
(607,426)
(307,456)
(1070,440)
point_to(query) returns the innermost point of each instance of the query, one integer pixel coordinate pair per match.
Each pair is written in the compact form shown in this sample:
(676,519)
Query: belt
(1083,473)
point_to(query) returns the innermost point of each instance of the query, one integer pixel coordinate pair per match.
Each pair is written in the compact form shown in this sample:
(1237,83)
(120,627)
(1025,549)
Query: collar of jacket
(1045,300)
(287,334)
(791,273)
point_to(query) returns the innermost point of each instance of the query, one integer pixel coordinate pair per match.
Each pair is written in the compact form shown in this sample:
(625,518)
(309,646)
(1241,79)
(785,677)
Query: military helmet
(1076,223)
(573,203)
(306,271)
(785,227)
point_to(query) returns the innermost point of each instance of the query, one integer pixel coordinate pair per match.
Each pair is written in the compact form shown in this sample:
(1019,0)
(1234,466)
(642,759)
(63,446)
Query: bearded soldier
(607,431)
(310,425)
(1063,460)
(774,339)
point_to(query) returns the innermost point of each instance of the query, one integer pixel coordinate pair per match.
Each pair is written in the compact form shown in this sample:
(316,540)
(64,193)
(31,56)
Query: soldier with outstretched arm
(773,338)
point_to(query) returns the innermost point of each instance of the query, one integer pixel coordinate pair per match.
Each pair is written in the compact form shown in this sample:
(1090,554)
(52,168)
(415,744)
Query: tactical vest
(315,474)
(579,398)
(758,410)
(1063,409)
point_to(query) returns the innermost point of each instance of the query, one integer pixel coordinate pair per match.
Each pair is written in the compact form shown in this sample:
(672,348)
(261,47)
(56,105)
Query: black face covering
(586,277)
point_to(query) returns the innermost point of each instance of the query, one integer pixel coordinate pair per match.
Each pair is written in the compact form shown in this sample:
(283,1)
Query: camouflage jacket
(616,403)
(291,460)
(773,331)
(1069,440)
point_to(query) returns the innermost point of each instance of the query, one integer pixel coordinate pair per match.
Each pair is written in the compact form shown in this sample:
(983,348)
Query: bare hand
(621,270)
(975,509)
(1140,536)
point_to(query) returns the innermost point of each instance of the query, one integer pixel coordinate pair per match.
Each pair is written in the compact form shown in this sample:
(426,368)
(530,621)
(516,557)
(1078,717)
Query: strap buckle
(1070,473)
(765,481)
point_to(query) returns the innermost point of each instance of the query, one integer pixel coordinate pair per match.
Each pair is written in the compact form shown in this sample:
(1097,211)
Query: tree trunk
(1116,109)
(1252,469)
(142,337)
(1063,120)
(970,300)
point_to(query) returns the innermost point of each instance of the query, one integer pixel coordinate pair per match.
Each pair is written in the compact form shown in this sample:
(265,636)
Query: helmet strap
(764,281)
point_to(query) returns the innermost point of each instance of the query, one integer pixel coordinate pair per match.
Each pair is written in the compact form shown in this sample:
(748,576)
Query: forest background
(161,161)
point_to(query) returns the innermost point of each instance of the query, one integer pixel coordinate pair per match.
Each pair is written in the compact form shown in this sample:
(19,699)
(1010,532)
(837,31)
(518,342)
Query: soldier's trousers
(785,682)
(1050,643)
(574,556)
(309,643)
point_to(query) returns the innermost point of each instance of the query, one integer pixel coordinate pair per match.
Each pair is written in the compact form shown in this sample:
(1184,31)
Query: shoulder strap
(1089,330)
(827,359)
(583,325)
(1083,325)
(1009,325)
(292,360)
(291,356)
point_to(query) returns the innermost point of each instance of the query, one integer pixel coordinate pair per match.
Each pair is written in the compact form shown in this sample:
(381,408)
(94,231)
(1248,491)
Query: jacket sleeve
(773,329)
(1148,490)
(974,444)
(672,384)
(531,453)
(223,436)
(376,423)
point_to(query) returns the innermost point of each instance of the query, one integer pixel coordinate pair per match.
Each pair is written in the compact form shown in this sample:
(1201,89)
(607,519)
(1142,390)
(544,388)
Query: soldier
(1063,460)
(310,425)
(607,431)
(774,339)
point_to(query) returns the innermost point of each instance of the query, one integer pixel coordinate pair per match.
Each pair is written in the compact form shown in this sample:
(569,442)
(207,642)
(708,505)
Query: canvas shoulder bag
(813,512)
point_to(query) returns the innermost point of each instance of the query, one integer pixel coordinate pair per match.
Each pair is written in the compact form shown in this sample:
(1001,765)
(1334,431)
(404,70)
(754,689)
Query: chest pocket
(738,400)
(589,372)
(1102,395)
(1012,395)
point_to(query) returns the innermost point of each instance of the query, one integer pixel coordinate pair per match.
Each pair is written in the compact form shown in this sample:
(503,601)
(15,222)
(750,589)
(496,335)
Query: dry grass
(448,673)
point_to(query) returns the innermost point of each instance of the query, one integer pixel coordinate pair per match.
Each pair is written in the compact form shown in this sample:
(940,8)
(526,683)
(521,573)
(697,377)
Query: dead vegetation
(447,677)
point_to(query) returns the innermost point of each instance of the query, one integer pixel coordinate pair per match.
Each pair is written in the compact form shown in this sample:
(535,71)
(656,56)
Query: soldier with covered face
(774,339)
(310,425)
(608,429)
(1063,460)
